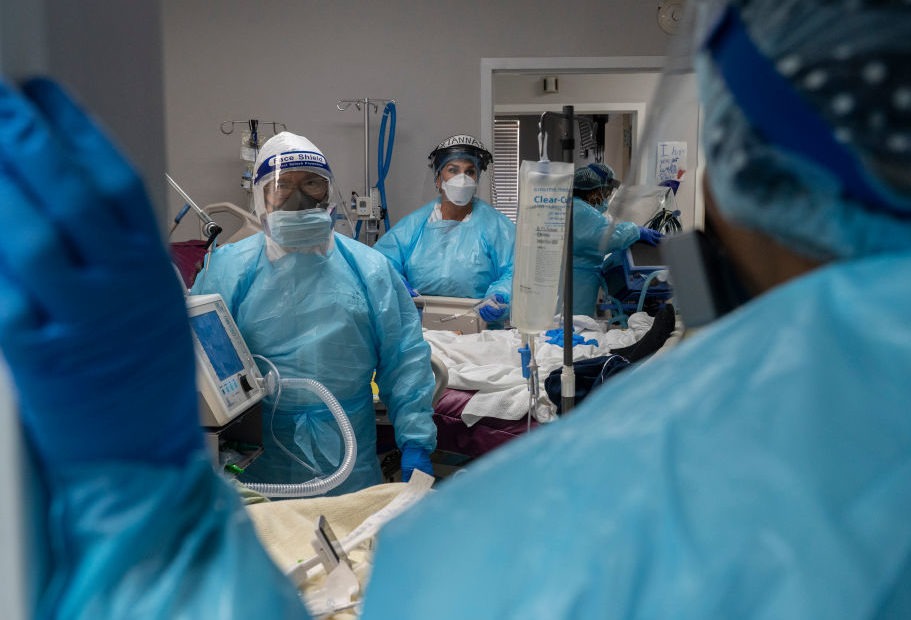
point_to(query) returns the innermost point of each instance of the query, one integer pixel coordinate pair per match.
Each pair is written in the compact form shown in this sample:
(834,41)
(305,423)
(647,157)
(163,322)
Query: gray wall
(109,57)
(291,60)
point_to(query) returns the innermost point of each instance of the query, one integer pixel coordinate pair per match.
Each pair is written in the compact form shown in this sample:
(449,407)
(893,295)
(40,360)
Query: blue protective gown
(590,243)
(334,319)
(450,258)
(137,540)
(762,469)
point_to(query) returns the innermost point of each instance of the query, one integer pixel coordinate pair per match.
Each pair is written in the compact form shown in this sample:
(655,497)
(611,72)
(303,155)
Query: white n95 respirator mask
(460,189)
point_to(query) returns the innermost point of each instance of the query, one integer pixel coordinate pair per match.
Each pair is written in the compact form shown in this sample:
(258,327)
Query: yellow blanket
(286,529)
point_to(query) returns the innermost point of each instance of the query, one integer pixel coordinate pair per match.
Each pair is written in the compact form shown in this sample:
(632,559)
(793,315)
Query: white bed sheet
(489,363)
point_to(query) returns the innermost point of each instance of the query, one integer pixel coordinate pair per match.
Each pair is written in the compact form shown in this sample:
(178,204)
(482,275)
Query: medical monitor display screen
(644,255)
(217,344)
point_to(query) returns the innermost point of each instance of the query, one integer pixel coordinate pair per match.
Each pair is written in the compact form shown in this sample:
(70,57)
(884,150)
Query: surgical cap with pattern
(586,179)
(605,172)
(851,62)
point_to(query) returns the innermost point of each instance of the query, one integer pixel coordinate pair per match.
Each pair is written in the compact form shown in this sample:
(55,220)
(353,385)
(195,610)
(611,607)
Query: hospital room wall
(290,61)
(109,55)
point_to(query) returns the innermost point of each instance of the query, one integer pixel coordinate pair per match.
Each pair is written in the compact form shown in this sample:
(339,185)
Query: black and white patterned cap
(807,129)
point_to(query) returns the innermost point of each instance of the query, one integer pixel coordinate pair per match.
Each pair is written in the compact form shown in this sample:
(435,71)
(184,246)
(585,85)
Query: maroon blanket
(188,256)
(473,441)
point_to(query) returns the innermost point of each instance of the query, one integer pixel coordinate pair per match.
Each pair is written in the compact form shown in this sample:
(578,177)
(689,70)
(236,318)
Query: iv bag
(545,192)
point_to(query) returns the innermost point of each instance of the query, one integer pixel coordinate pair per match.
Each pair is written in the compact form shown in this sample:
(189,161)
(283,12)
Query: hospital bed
(489,433)
(235,223)
(485,401)
(452,315)
(455,314)
(188,256)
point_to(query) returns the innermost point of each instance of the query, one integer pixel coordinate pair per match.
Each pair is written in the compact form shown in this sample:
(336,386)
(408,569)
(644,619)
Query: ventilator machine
(231,388)
(230,384)
(228,379)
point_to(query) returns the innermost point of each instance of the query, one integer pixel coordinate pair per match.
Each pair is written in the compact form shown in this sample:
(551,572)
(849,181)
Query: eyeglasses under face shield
(295,190)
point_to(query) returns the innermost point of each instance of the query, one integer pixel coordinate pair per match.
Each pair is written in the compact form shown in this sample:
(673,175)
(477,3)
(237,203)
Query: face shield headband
(451,156)
(294,160)
(783,118)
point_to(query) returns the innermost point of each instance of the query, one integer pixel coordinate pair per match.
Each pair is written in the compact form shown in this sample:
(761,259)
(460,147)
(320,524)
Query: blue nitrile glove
(674,184)
(649,236)
(415,458)
(411,291)
(555,336)
(92,320)
(493,308)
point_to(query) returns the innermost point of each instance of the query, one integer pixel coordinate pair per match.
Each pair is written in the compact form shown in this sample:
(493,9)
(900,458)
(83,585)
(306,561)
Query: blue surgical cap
(807,128)
(586,179)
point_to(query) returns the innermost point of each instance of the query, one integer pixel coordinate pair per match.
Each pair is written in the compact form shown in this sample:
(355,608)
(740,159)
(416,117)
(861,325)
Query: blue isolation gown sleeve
(624,235)
(501,239)
(755,471)
(135,540)
(398,242)
(592,239)
(403,373)
(94,329)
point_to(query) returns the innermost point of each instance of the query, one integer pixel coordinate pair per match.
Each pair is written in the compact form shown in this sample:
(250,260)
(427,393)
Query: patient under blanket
(488,364)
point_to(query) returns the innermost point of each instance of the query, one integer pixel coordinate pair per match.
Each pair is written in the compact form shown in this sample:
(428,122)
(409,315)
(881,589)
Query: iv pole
(250,144)
(364,105)
(567,376)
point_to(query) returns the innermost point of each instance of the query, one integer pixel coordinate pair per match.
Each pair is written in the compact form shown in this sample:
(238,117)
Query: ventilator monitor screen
(217,345)
(642,255)
(227,378)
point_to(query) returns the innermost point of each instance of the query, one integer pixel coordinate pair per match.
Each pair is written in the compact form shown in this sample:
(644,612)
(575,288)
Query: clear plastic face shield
(663,188)
(667,155)
(454,177)
(295,190)
(595,185)
(296,202)
(607,193)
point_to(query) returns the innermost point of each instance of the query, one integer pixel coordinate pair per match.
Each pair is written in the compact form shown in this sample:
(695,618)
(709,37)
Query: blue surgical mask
(300,229)
(600,203)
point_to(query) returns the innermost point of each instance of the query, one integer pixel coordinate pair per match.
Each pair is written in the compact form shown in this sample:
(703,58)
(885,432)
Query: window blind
(505,181)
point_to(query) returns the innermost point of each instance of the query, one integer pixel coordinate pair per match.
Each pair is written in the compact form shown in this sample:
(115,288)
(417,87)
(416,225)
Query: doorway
(618,87)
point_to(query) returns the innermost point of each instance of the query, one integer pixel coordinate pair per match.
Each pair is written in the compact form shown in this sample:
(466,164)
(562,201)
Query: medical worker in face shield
(456,245)
(770,474)
(593,236)
(324,307)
